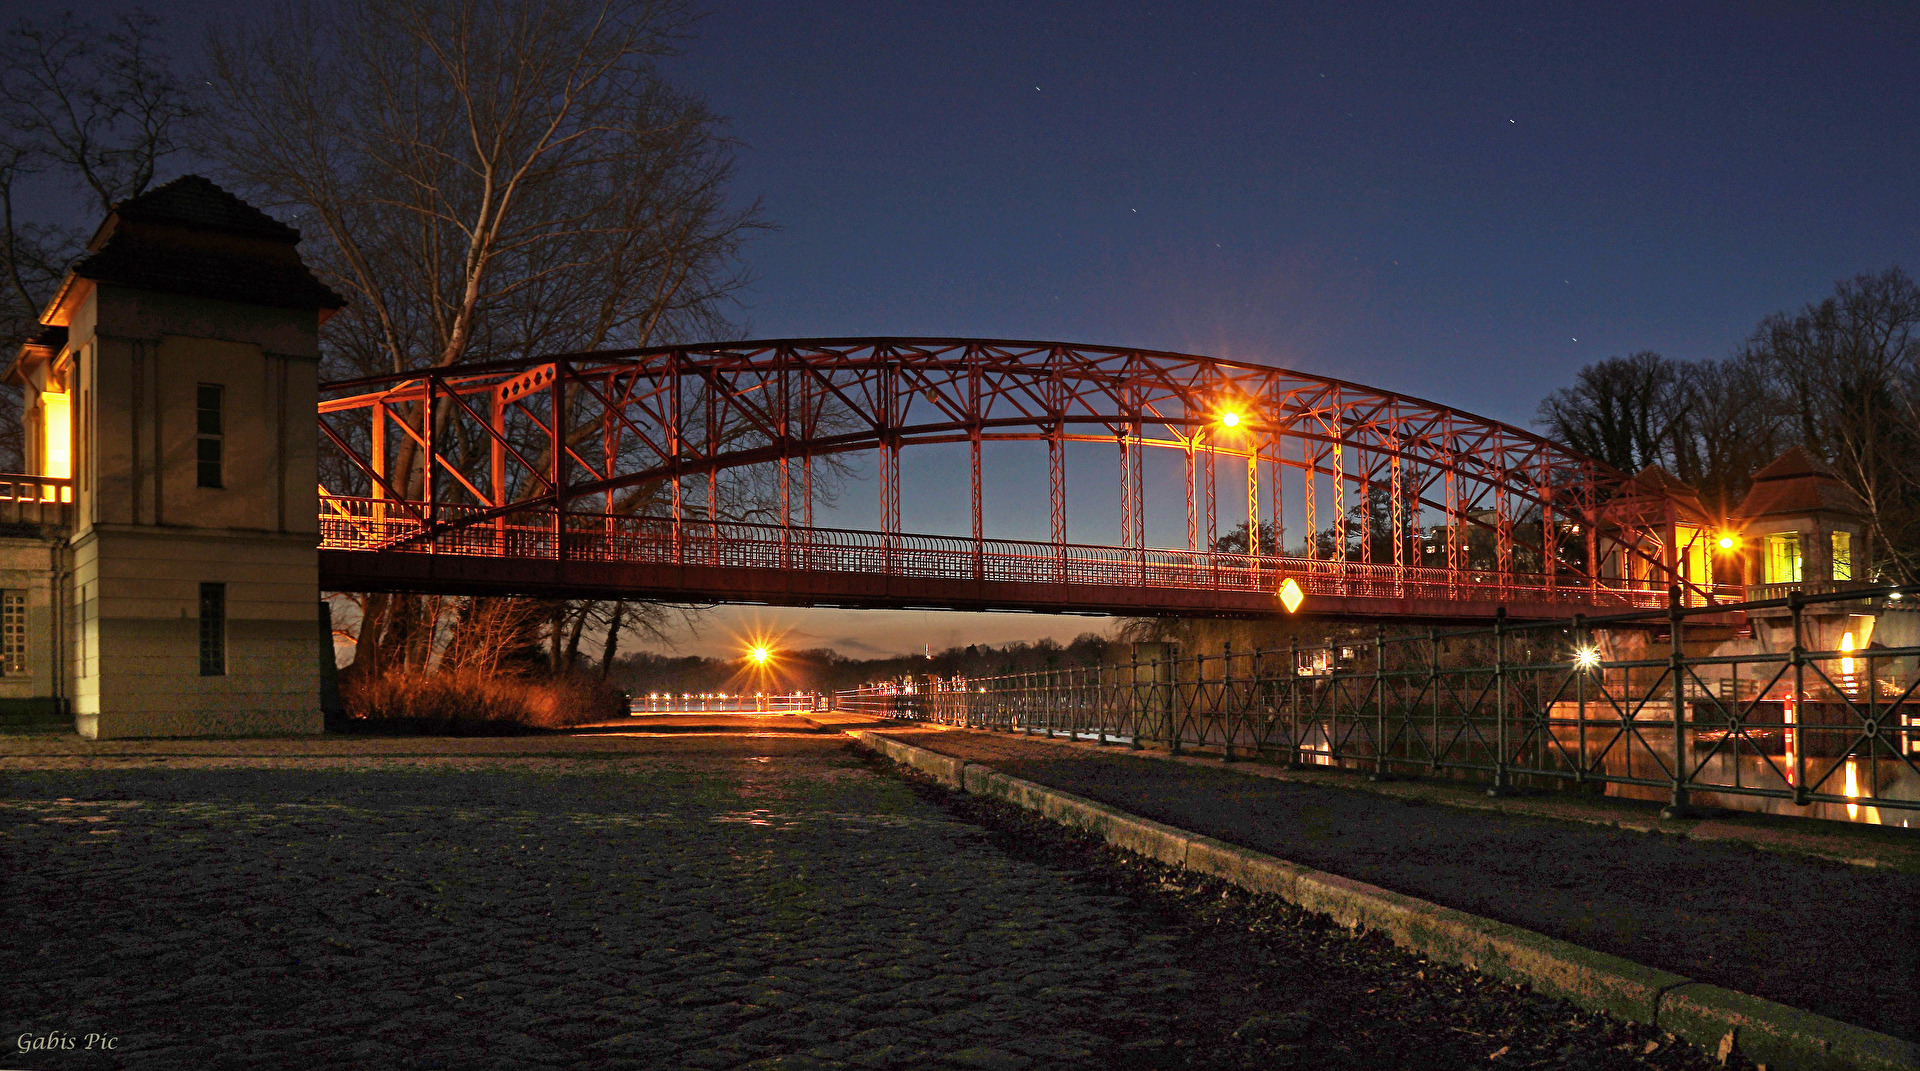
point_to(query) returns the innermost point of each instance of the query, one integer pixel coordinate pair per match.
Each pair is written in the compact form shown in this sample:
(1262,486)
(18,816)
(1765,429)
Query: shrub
(466,700)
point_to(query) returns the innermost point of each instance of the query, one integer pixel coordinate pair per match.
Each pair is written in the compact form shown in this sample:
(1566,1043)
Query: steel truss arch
(453,460)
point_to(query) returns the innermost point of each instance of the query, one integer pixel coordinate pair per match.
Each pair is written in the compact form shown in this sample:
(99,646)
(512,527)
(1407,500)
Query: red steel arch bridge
(624,473)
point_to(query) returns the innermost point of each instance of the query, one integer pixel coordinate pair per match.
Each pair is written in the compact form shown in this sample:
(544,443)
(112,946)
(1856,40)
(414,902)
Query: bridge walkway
(1758,904)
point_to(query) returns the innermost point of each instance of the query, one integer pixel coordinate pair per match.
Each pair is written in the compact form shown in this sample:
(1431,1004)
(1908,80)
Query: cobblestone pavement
(1763,922)
(685,902)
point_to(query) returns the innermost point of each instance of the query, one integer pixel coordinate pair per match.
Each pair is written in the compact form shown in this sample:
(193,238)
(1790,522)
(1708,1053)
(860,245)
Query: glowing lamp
(1727,542)
(1587,657)
(1291,596)
(1229,419)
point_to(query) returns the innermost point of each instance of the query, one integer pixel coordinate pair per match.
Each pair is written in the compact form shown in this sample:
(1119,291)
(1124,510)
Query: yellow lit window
(1843,555)
(1783,558)
(56,419)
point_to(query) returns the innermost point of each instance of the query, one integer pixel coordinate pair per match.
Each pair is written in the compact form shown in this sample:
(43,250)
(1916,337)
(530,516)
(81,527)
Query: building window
(13,633)
(1843,555)
(213,630)
(1783,558)
(212,433)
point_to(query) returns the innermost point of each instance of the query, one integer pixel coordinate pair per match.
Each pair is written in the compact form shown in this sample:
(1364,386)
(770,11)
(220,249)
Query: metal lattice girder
(621,432)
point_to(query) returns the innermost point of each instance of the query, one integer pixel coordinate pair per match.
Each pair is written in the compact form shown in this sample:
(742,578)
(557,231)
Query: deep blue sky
(1464,201)
(1461,201)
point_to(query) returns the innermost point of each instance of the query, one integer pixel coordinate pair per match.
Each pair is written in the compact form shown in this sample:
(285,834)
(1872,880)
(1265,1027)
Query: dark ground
(671,902)
(1835,939)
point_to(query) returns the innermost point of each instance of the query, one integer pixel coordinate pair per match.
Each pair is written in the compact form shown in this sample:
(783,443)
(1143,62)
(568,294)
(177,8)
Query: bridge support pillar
(188,359)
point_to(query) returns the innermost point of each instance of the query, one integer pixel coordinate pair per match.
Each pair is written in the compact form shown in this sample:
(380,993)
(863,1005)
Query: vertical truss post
(1277,445)
(1416,539)
(1339,503)
(429,460)
(1503,533)
(677,448)
(1057,498)
(1311,455)
(973,483)
(557,474)
(1253,506)
(379,448)
(1453,530)
(497,467)
(785,428)
(712,451)
(1549,529)
(806,462)
(1213,523)
(1126,490)
(1139,488)
(1366,511)
(1398,522)
(1193,524)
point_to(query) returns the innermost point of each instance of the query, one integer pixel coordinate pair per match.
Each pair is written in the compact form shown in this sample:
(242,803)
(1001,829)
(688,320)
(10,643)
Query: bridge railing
(1828,728)
(534,533)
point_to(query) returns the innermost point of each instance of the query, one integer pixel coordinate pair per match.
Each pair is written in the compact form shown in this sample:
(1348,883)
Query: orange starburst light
(1291,596)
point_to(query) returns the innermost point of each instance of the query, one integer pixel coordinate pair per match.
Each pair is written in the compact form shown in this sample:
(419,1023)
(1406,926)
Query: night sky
(1464,202)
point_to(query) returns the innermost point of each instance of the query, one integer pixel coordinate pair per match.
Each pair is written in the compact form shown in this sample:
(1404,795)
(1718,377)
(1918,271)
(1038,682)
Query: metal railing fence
(536,532)
(1625,701)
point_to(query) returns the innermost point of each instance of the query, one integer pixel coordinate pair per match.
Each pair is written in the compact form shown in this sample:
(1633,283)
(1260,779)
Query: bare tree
(487,179)
(85,108)
(1622,411)
(1848,367)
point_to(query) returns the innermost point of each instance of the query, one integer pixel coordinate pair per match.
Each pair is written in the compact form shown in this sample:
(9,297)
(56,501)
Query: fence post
(1134,706)
(1581,645)
(1677,805)
(1293,701)
(1173,696)
(1380,770)
(1226,702)
(1433,689)
(1798,717)
(1502,781)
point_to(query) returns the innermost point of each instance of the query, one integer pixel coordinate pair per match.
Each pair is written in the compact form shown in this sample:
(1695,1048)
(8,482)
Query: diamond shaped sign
(1291,596)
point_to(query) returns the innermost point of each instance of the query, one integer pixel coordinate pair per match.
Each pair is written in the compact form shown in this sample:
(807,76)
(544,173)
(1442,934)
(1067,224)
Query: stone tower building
(170,411)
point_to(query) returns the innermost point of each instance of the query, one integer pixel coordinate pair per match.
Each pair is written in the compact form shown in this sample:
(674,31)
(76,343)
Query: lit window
(1783,558)
(212,434)
(1843,555)
(13,633)
(213,630)
(56,422)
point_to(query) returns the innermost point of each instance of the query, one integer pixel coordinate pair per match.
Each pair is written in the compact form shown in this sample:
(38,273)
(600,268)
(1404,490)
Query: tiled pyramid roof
(191,237)
(192,201)
(1795,482)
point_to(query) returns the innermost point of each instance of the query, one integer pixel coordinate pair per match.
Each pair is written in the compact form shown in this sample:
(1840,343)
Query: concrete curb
(1765,1032)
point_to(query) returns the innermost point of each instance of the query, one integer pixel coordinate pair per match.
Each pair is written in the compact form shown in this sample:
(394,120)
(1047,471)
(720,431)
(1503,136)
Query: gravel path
(1827,937)
(690,902)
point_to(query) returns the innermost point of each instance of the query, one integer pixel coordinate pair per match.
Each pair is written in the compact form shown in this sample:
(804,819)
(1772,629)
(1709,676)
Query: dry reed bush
(468,700)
